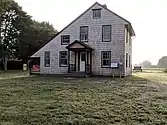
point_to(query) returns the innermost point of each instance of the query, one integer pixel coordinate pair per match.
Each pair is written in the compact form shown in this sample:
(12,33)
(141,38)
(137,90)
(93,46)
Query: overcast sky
(148,18)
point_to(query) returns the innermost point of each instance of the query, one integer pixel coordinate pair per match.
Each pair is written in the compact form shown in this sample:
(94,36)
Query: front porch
(81,54)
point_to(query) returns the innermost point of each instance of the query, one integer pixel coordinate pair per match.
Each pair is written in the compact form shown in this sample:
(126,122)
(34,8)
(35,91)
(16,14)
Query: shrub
(165,70)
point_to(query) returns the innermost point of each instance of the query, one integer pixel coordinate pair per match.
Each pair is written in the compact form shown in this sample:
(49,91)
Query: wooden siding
(116,46)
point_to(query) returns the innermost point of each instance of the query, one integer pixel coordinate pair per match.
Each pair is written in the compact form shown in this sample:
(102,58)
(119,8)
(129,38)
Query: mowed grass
(156,75)
(42,100)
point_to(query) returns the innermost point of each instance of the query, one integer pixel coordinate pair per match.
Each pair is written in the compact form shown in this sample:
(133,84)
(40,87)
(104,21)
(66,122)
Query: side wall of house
(128,50)
(116,46)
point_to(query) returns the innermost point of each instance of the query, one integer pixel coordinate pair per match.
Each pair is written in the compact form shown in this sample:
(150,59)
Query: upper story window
(84,33)
(65,39)
(127,35)
(47,59)
(106,33)
(106,59)
(96,13)
(130,40)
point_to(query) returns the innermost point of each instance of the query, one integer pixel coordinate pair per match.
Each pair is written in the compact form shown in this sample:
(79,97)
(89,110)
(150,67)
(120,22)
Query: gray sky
(148,18)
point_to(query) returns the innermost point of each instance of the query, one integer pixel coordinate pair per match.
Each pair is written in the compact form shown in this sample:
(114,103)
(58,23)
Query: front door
(82,61)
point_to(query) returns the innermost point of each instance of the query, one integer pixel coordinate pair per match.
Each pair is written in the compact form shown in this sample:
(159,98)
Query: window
(65,39)
(127,35)
(129,61)
(84,33)
(126,59)
(130,40)
(106,33)
(63,58)
(47,59)
(96,13)
(106,58)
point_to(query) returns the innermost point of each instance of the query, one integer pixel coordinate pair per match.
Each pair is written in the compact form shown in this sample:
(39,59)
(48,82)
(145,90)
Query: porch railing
(72,67)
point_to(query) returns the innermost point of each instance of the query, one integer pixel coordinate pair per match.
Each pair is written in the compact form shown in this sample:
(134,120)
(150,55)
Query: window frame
(103,34)
(46,58)
(127,35)
(130,40)
(126,61)
(60,65)
(87,33)
(62,39)
(94,10)
(129,60)
(109,66)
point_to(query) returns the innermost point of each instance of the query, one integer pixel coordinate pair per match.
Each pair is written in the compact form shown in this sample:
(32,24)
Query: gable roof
(128,25)
(81,43)
(133,33)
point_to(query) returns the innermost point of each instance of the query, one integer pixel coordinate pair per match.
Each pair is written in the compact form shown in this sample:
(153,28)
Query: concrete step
(76,74)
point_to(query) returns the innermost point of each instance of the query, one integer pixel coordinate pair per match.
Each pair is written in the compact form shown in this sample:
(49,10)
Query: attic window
(96,13)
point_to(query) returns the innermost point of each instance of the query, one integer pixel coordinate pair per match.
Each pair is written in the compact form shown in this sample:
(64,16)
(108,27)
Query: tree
(162,63)
(32,38)
(146,64)
(20,36)
(8,33)
(3,5)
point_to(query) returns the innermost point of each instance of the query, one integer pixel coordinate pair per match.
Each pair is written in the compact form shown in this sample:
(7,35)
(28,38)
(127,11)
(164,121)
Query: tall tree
(8,33)
(33,37)
(20,36)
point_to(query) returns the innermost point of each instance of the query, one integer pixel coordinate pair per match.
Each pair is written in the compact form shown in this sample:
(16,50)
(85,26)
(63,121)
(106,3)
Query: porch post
(87,64)
(91,62)
(68,61)
(78,61)
(85,61)
(75,61)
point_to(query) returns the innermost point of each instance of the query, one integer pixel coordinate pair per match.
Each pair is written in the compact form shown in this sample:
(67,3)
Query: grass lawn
(38,100)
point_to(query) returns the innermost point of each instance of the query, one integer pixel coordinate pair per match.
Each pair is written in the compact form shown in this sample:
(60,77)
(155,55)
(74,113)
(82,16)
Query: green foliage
(4,4)
(20,35)
(32,38)
(9,33)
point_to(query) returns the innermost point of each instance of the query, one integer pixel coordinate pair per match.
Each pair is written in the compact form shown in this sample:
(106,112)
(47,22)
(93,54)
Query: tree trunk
(5,63)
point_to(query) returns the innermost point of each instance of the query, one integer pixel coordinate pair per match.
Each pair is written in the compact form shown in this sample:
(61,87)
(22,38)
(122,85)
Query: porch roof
(78,46)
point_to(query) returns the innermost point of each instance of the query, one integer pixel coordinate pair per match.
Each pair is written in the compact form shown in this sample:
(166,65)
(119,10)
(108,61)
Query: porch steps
(76,74)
